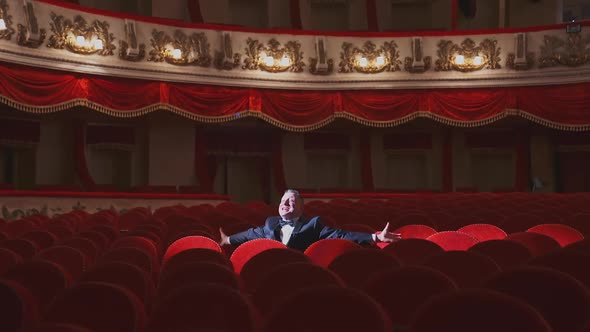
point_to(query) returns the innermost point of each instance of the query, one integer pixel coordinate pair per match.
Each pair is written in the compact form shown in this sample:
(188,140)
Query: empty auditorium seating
(259,265)
(72,260)
(197,255)
(196,272)
(19,308)
(561,233)
(505,253)
(247,250)
(465,268)
(453,240)
(356,266)
(483,232)
(415,231)
(538,244)
(190,242)
(8,259)
(324,251)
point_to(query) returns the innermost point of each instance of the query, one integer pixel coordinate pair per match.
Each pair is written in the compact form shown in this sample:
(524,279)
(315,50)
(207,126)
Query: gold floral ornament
(30,35)
(226,59)
(273,58)
(467,57)
(80,37)
(417,63)
(180,49)
(572,52)
(369,59)
(520,59)
(6,30)
(130,49)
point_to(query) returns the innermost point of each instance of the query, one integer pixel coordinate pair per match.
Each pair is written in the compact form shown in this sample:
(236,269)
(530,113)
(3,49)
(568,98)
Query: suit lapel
(276,231)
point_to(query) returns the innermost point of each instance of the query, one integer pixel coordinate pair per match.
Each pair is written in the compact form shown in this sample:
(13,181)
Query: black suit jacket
(305,232)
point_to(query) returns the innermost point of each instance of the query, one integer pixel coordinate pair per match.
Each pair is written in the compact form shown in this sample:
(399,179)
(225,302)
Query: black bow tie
(286,222)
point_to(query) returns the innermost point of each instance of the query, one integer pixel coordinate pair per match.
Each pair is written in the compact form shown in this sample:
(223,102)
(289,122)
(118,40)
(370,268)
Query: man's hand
(386,236)
(224,238)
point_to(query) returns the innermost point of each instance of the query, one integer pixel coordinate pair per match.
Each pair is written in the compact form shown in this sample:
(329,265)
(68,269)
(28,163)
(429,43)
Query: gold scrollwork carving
(30,35)
(180,49)
(8,30)
(273,58)
(467,57)
(226,59)
(81,37)
(571,52)
(528,64)
(369,59)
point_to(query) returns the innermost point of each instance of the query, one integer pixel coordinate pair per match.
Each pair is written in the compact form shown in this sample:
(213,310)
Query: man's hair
(296,193)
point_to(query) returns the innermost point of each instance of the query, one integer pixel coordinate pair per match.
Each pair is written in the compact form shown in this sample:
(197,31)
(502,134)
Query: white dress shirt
(286,231)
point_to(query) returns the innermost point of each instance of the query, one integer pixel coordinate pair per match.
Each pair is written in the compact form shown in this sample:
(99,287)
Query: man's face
(290,207)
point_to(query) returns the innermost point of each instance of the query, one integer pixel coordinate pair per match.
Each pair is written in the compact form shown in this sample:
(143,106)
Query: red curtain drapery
(81,165)
(295,13)
(45,91)
(372,20)
(194,10)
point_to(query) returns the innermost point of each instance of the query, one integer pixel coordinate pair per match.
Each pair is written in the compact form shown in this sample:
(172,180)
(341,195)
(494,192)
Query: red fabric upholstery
(247,250)
(24,248)
(58,327)
(19,307)
(356,266)
(466,269)
(100,307)
(71,259)
(483,232)
(538,244)
(131,256)
(84,245)
(98,238)
(62,232)
(413,251)
(505,253)
(218,308)
(401,291)
(197,255)
(42,278)
(130,220)
(18,227)
(580,246)
(258,266)
(415,231)
(576,264)
(145,245)
(8,259)
(42,238)
(562,300)
(125,275)
(581,222)
(477,310)
(190,242)
(561,233)
(107,230)
(323,252)
(450,240)
(520,222)
(350,310)
(193,273)
(271,289)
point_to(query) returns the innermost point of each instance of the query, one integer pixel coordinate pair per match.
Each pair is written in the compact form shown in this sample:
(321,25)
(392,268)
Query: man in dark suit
(297,232)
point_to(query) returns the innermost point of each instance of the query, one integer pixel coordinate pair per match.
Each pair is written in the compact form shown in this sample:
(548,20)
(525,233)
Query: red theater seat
(538,244)
(58,327)
(19,307)
(484,232)
(42,238)
(356,266)
(8,259)
(99,239)
(401,291)
(197,255)
(466,269)
(258,266)
(561,233)
(505,253)
(271,289)
(193,273)
(62,232)
(109,231)
(247,250)
(574,263)
(520,222)
(477,310)
(71,259)
(84,245)
(24,248)
(145,245)
(562,300)
(100,307)
(190,242)
(131,256)
(415,231)
(329,308)
(218,308)
(413,251)
(323,252)
(452,240)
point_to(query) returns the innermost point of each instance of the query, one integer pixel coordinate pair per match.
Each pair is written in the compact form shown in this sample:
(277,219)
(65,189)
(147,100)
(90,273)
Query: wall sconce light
(81,37)
(468,56)
(370,58)
(2,24)
(273,58)
(6,29)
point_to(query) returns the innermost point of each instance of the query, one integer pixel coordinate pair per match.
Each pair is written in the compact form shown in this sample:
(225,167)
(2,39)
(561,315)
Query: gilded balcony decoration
(521,59)
(80,37)
(273,58)
(572,52)
(6,29)
(29,34)
(180,49)
(321,64)
(226,59)
(467,57)
(369,59)
(417,63)
(130,49)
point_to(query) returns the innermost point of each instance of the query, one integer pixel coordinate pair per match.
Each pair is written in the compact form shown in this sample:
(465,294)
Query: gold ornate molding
(226,59)
(130,49)
(571,52)
(180,49)
(7,30)
(80,37)
(467,57)
(273,58)
(369,59)
(30,35)
(321,64)
(417,63)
